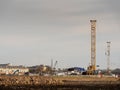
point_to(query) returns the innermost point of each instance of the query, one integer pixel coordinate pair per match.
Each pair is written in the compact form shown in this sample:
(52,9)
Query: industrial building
(8,69)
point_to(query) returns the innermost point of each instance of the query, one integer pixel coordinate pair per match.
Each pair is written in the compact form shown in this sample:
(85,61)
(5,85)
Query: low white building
(7,69)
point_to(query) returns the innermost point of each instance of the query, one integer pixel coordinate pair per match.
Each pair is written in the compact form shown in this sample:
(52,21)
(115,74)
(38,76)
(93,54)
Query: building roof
(76,68)
(5,65)
(10,66)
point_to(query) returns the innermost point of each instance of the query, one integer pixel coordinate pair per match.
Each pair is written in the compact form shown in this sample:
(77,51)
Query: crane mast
(92,66)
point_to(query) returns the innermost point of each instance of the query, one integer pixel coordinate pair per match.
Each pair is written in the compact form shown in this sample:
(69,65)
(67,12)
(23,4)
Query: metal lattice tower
(108,56)
(93,44)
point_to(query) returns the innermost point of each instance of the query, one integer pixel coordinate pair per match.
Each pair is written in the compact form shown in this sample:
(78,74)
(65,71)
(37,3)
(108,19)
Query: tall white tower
(108,57)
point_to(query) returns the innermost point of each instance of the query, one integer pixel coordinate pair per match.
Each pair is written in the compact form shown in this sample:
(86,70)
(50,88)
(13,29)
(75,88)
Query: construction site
(75,78)
(7,69)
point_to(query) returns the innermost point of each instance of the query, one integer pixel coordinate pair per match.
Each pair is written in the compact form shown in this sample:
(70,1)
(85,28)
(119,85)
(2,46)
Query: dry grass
(86,78)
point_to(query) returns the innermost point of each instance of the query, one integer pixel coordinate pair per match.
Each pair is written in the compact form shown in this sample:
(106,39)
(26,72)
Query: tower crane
(92,67)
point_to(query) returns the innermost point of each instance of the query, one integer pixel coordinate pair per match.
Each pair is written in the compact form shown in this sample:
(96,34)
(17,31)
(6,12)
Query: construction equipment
(92,67)
(53,67)
(16,72)
(55,64)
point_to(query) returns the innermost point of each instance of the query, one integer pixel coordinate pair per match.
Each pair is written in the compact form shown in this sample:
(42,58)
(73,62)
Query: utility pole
(108,57)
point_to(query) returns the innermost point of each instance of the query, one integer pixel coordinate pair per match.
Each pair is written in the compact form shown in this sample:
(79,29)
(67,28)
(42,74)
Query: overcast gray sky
(33,32)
